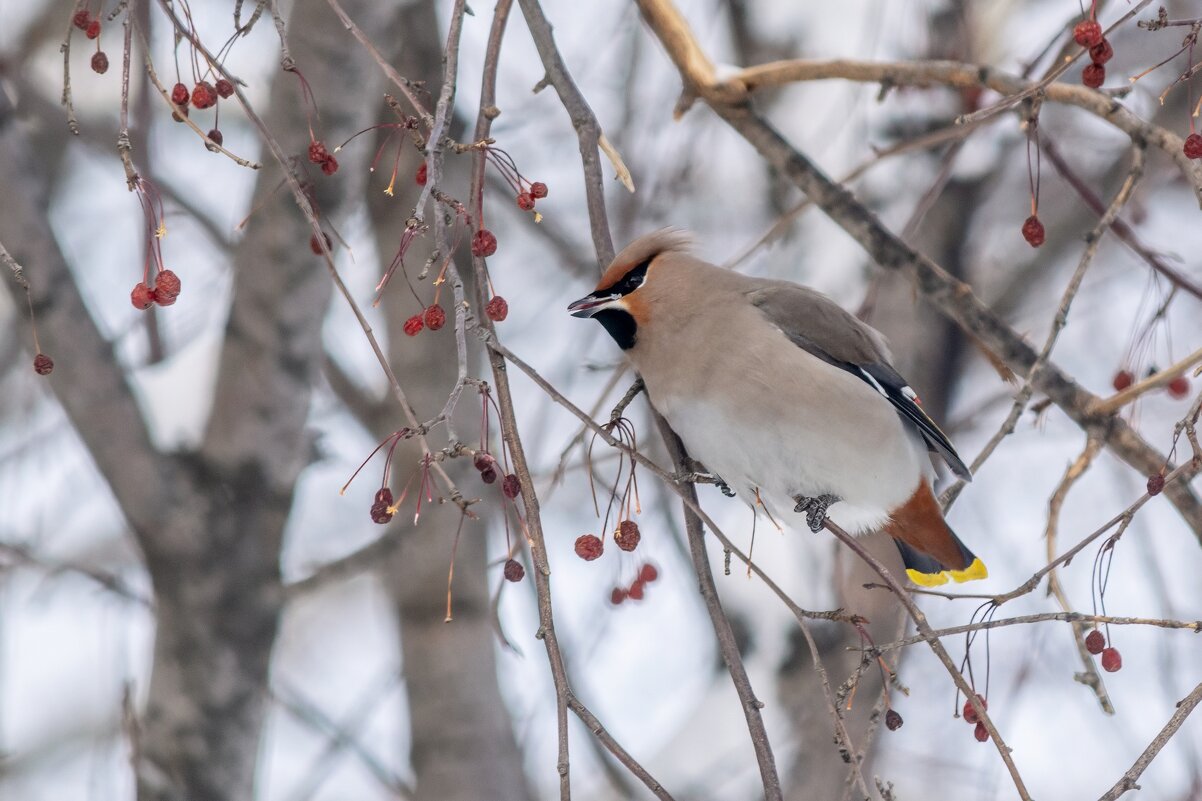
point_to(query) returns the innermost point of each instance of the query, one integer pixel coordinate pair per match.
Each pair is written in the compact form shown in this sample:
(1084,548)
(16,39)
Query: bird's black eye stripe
(633,279)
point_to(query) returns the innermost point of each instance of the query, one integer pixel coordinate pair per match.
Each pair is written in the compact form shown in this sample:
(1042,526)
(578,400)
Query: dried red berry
(627,536)
(142,296)
(1087,33)
(1095,642)
(167,284)
(484,243)
(204,95)
(175,114)
(526,201)
(1033,231)
(93,29)
(1112,660)
(384,496)
(179,95)
(589,547)
(413,326)
(42,364)
(1101,52)
(511,486)
(636,590)
(648,573)
(970,714)
(435,317)
(163,299)
(538,190)
(317,151)
(330,165)
(420,177)
(1178,387)
(381,512)
(1193,146)
(1155,487)
(514,571)
(488,476)
(100,63)
(315,246)
(216,136)
(81,18)
(1093,76)
(497,309)
(483,461)
(617,596)
(893,721)
(980,732)
(1122,380)
(224,87)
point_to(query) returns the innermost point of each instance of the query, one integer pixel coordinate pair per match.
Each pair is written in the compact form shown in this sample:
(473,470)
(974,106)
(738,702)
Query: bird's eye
(634,282)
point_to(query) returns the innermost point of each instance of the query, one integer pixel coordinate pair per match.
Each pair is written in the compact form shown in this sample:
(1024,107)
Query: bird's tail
(930,550)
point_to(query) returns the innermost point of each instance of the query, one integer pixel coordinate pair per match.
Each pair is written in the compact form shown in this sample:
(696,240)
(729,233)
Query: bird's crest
(643,250)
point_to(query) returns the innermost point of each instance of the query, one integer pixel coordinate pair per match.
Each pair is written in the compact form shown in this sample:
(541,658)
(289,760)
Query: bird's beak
(591,304)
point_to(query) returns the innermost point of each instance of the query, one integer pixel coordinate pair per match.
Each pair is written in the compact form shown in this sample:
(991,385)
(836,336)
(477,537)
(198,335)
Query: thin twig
(1128,781)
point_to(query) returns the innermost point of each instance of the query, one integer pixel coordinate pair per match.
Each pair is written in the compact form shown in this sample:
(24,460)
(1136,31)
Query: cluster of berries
(1177,389)
(1088,33)
(626,535)
(1112,660)
(90,26)
(487,466)
(433,317)
(647,574)
(970,716)
(164,292)
(319,155)
(202,96)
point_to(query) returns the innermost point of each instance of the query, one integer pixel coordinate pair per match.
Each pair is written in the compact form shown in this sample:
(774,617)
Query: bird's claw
(815,509)
(693,477)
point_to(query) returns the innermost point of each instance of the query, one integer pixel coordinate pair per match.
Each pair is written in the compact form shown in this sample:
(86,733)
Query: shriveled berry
(511,486)
(893,721)
(538,190)
(204,95)
(636,590)
(330,165)
(315,245)
(514,571)
(488,476)
(617,596)
(1155,487)
(484,243)
(1095,643)
(589,547)
(1093,76)
(179,94)
(1087,33)
(1101,52)
(381,512)
(970,714)
(100,63)
(1122,380)
(1033,231)
(435,317)
(317,151)
(413,326)
(167,283)
(81,18)
(497,309)
(648,573)
(420,176)
(1179,387)
(1193,146)
(175,114)
(384,496)
(224,87)
(93,29)
(627,536)
(483,461)
(526,201)
(980,732)
(217,137)
(164,299)
(1112,660)
(142,296)
(42,364)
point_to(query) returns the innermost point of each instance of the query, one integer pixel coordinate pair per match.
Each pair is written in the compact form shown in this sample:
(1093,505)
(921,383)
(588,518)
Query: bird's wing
(826,330)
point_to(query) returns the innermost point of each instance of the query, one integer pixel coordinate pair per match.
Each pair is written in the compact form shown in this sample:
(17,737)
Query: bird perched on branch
(784,396)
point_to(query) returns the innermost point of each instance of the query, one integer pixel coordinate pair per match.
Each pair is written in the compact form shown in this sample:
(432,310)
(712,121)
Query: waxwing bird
(784,396)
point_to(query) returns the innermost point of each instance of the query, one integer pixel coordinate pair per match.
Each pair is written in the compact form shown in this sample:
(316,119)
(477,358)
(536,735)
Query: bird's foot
(693,477)
(815,509)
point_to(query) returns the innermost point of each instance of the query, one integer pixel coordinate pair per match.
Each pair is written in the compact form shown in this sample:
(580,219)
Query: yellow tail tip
(926,579)
(973,572)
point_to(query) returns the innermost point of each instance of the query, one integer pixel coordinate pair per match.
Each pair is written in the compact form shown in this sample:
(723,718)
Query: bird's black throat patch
(620,325)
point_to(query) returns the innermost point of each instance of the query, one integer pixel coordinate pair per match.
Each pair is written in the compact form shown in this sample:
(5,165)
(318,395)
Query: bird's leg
(815,509)
(685,477)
